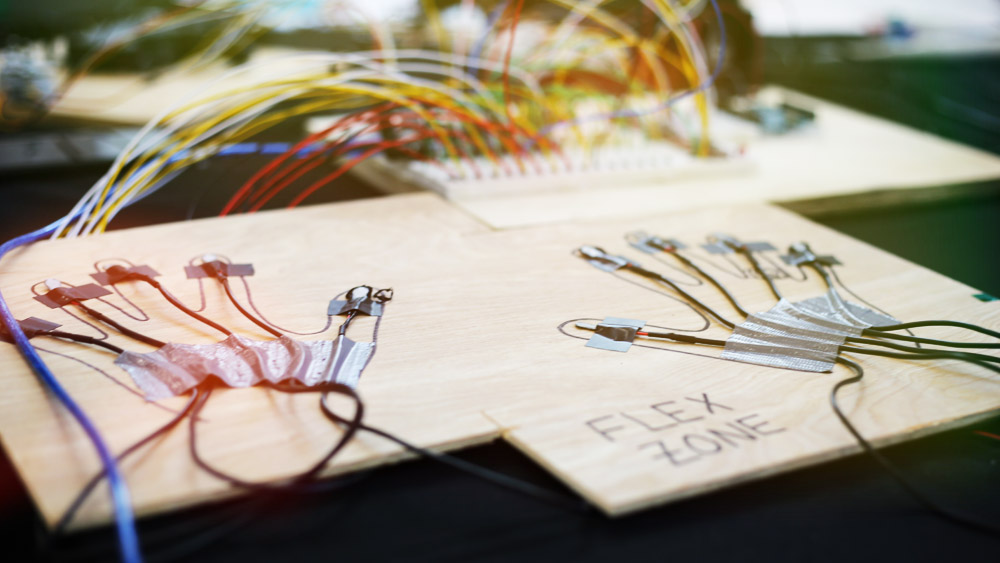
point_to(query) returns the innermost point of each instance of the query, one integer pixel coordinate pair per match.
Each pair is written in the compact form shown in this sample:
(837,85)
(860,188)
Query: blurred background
(79,79)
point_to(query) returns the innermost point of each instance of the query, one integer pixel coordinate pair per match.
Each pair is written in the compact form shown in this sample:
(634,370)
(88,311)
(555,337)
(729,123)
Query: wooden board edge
(618,511)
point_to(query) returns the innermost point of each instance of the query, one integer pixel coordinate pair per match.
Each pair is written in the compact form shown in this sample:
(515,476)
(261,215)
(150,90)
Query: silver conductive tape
(242,362)
(804,335)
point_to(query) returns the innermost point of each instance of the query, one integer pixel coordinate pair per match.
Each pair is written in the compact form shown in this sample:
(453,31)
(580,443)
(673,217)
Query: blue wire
(669,102)
(491,21)
(128,538)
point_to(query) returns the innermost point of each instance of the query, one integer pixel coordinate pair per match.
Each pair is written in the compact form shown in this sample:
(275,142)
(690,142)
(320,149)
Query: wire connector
(600,259)
(60,295)
(363,299)
(800,254)
(613,333)
(720,243)
(212,267)
(118,273)
(31,326)
(652,244)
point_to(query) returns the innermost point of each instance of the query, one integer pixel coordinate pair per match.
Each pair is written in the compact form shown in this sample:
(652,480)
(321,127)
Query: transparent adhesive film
(242,362)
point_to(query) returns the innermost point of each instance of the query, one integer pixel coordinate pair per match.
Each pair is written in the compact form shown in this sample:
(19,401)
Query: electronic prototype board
(479,342)
(843,161)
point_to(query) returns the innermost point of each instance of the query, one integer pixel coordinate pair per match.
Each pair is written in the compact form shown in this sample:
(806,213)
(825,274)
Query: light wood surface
(469,351)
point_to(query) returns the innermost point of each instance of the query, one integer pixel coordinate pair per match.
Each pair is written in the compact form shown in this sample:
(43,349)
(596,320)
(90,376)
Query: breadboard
(470,351)
(838,163)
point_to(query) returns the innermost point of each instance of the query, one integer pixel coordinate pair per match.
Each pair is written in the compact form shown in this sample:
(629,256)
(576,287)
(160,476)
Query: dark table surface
(421,511)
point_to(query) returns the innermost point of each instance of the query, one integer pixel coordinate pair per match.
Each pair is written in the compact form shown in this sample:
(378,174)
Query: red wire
(351,164)
(258,197)
(316,159)
(246,187)
(271,188)
(506,69)
(315,156)
(300,168)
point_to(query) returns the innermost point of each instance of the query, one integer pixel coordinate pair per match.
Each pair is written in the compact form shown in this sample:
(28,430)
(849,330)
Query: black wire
(688,339)
(82,339)
(977,359)
(822,272)
(729,296)
(494,477)
(879,330)
(289,483)
(176,303)
(115,325)
(760,271)
(957,324)
(182,307)
(649,274)
(659,291)
(880,334)
(71,314)
(74,507)
(913,349)
(342,331)
(895,473)
(232,298)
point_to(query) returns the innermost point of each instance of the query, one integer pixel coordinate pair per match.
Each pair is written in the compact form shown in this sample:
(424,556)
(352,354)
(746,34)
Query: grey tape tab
(651,244)
(615,334)
(104,278)
(230,270)
(600,259)
(65,295)
(800,253)
(30,325)
(725,244)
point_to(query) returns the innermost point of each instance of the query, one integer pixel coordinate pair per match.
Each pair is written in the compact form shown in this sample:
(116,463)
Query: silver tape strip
(804,335)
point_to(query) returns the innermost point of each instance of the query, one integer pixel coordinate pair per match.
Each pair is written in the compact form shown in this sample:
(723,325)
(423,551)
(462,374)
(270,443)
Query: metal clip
(363,299)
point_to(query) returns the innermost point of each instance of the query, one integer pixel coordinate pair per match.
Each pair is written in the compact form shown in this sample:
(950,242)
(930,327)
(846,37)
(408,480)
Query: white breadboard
(626,159)
(605,168)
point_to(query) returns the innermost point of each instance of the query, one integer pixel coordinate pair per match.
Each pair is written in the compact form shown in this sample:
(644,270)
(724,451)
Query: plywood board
(315,253)
(470,350)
